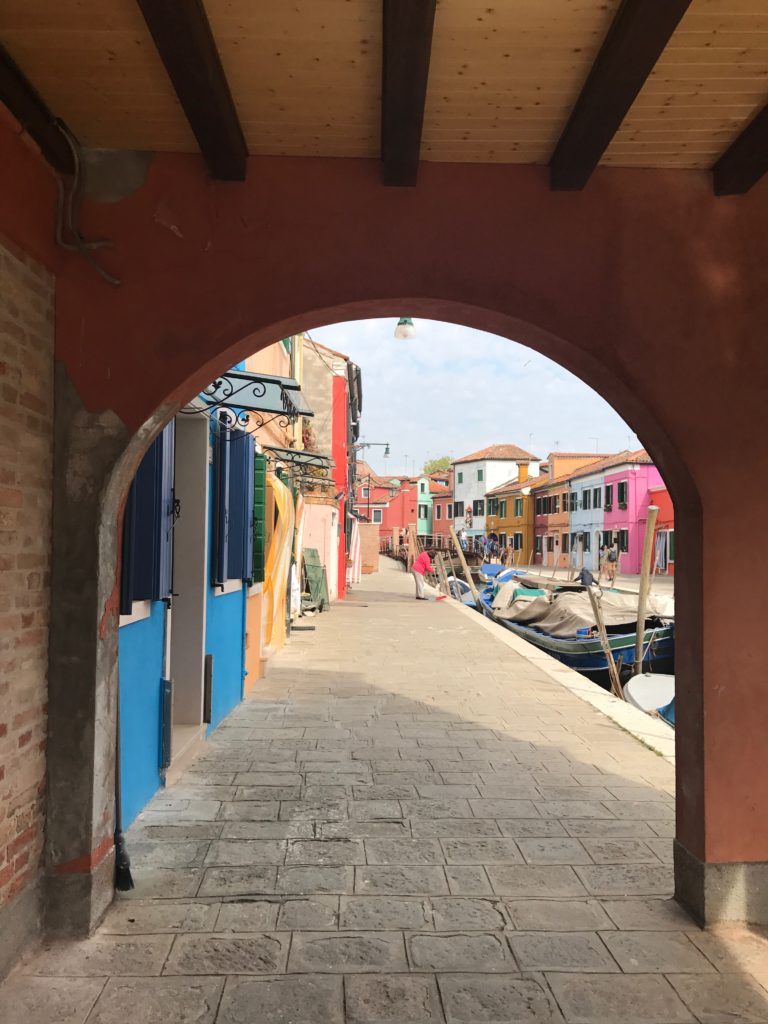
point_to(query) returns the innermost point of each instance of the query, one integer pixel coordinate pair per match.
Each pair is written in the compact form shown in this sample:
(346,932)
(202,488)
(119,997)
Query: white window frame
(449,511)
(377,512)
(438,511)
(365,491)
(230,587)
(140,610)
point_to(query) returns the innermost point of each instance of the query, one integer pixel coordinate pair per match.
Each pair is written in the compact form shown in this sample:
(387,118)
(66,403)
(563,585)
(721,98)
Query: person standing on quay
(422,564)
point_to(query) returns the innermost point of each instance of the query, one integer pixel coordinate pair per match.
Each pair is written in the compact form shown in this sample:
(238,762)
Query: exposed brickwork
(26,424)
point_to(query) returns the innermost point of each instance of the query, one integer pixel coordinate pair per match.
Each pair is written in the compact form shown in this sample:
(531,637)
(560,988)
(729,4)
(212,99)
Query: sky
(452,390)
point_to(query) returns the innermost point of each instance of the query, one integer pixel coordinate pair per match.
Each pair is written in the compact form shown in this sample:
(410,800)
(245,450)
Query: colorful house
(552,507)
(627,497)
(424,506)
(442,511)
(510,515)
(664,544)
(479,472)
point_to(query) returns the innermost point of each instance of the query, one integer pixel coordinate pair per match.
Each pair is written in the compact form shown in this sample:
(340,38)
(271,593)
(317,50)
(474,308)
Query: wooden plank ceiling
(305,76)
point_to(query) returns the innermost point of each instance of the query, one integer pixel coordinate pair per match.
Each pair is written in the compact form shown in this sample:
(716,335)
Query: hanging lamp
(405,328)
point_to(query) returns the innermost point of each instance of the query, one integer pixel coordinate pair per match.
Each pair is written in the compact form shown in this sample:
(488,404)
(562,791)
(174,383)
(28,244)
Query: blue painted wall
(224,638)
(140,660)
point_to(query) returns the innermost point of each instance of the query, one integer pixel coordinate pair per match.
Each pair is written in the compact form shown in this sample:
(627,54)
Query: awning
(257,392)
(299,458)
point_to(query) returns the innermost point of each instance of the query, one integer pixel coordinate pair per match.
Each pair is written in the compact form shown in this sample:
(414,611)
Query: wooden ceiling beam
(636,39)
(407,46)
(33,115)
(183,37)
(746,159)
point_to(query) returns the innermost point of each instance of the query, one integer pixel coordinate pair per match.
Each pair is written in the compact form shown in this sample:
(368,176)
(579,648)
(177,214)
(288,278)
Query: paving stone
(665,829)
(440,790)
(267,830)
(317,913)
(523,828)
(553,851)
(237,852)
(468,880)
(607,827)
(347,952)
(270,779)
(648,915)
(455,776)
(650,952)
(503,808)
(298,880)
(404,851)
(406,880)
(247,916)
(644,810)
(249,810)
(375,810)
(553,881)
(481,851)
(320,793)
(166,854)
(193,790)
(438,809)
(570,793)
(171,812)
(177,833)
(609,998)
(158,1001)
(477,951)
(506,791)
(466,914)
(26,1000)
(392,999)
(103,955)
(144,917)
(723,999)
(626,879)
(297,999)
(238,881)
(619,851)
(637,793)
(384,792)
(560,951)
(325,851)
(365,830)
(309,810)
(381,913)
(453,828)
(228,954)
(496,999)
(163,883)
(558,915)
(573,809)
(267,793)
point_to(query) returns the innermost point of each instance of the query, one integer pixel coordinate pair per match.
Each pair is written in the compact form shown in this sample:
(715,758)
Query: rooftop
(498,453)
(639,457)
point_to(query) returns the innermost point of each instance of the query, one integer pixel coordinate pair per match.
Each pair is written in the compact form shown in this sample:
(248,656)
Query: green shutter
(259,516)
(671,542)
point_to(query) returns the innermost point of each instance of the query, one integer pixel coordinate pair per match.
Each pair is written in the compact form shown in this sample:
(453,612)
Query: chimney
(522,471)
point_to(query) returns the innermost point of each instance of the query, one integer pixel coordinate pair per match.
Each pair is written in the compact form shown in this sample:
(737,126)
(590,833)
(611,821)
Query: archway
(115,469)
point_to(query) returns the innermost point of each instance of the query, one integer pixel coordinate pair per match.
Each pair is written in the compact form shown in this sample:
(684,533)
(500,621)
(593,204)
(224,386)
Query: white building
(476,474)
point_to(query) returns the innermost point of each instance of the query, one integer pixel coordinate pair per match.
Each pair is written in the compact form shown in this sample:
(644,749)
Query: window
(565,501)
(449,513)
(538,544)
(671,543)
(623,540)
(566,546)
(493,505)
(608,497)
(574,538)
(147,557)
(458,510)
(502,540)
(586,499)
(376,514)
(479,476)
(503,508)
(259,517)
(585,539)
(422,487)
(574,500)
(365,492)
(550,543)
(478,507)
(422,511)
(555,503)
(539,504)
(459,478)
(518,507)
(597,497)
(438,511)
(518,541)
(621,493)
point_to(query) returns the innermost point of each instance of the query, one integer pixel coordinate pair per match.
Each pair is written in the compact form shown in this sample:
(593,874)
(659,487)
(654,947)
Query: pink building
(627,497)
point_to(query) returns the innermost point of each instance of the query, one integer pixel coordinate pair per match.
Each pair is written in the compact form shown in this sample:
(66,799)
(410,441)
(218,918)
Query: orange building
(510,514)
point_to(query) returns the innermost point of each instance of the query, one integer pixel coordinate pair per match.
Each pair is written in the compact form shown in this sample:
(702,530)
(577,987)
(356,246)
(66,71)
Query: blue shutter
(128,546)
(240,550)
(148,526)
(221,467)
(164,576)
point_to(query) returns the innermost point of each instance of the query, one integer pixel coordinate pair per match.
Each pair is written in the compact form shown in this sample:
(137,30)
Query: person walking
(612,561)
(422,564)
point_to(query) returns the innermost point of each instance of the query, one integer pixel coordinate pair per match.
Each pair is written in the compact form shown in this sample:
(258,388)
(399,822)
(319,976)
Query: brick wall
(369,547)
(26,434)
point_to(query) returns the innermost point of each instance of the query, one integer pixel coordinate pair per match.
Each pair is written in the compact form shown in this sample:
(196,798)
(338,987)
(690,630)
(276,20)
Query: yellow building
(510,515)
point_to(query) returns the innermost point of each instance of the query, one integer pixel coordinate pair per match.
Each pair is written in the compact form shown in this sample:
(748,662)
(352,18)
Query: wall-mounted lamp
(405,328)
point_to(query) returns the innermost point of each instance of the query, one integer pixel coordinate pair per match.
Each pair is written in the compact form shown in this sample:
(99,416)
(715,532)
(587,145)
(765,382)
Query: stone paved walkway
(406,822)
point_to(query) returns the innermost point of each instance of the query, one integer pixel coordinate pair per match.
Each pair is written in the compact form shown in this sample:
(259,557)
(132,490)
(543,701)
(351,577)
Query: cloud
(452,390)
